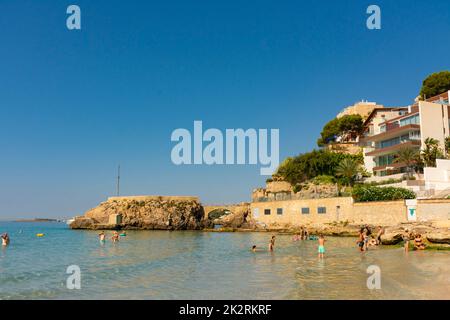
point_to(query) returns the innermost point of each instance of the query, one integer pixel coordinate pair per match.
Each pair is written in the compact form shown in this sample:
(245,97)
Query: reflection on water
(200,265)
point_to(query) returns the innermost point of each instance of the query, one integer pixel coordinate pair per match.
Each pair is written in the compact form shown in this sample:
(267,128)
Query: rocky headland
(145,213)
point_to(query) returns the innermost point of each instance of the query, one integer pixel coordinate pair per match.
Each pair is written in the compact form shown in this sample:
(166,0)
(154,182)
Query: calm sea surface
(201,265)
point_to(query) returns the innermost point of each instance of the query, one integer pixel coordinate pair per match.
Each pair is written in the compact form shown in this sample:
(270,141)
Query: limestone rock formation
(439,237)
(428,230)
(390,238)
(238,218)
(146,212)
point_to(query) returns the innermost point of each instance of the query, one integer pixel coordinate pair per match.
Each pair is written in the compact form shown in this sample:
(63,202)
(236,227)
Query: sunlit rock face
(145,212)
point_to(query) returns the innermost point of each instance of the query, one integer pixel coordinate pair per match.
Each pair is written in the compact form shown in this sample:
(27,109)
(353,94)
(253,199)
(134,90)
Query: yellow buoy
(39,235)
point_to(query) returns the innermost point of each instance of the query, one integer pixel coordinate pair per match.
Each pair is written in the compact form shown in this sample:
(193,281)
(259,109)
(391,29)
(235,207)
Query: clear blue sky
(74,104)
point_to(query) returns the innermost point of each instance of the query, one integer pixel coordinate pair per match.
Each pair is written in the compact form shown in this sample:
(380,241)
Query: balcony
(392,133)
(390,167)
(392,149)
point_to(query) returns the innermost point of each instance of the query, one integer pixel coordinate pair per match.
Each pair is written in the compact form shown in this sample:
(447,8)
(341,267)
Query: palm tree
(348,169)
(431,152)
(409,156)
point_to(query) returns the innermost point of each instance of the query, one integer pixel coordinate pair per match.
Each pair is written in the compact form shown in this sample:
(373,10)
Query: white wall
(438,178)
(433,122)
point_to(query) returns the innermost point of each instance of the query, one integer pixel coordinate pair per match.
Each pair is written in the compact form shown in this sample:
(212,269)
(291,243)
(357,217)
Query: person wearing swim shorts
(321,246)
(360,241)
(102,236)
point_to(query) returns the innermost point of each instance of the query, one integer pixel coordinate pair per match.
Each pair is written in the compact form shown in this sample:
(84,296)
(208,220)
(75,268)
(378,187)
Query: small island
(37,220)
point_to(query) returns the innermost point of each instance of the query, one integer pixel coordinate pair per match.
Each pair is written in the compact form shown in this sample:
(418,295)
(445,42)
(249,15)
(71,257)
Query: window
(279,211)
(410,120)
(305,210)
(267,212)
(384,160)
(414,135)
(321,210)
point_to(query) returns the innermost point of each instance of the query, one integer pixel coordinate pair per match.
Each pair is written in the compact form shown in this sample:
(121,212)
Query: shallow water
(201,265)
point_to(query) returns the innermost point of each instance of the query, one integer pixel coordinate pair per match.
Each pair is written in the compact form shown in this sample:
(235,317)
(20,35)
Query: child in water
(115,237)
(321,246)
(102,236)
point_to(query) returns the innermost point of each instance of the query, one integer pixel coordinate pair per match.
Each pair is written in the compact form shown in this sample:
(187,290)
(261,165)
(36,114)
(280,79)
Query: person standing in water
(365,236)
(272,243)
(102,236)
(381,231)
(406,238)
(5,239)
(321,246)
(360,241)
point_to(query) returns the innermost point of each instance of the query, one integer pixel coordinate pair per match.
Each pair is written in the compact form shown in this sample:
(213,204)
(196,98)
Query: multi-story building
(387,130)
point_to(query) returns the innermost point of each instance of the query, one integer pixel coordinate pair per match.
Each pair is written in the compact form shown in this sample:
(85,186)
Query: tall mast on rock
(118,181)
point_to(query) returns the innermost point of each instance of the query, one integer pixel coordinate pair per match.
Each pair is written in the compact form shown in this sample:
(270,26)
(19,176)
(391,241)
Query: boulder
(240,218)
(83,223)
(439,236)
(390,238)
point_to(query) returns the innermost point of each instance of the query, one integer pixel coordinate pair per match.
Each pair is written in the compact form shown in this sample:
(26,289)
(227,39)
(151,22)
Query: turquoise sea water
(201,265)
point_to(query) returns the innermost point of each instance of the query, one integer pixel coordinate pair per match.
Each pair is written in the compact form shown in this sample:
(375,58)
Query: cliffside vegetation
(435,84)
(347,128)
(321,166)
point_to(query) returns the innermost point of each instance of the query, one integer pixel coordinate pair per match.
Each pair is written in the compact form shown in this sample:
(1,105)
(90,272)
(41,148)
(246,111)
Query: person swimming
(102,236)
(5,239)
(255,249)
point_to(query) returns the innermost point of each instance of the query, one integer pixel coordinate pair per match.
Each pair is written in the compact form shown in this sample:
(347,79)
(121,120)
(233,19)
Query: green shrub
(383,182)
(309,165)
(324,179)
(364,193)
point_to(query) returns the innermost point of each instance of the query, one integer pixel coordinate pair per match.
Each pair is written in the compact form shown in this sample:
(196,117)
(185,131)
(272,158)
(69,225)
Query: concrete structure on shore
(292,213)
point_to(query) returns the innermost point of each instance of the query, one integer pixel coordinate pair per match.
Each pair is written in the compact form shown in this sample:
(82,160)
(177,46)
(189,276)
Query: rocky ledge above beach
(146,213)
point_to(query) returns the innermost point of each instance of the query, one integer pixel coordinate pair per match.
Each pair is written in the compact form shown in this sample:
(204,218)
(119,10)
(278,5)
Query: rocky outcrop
(439,237)
(429,231)
(391,238)
(238,218)
(146,212)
